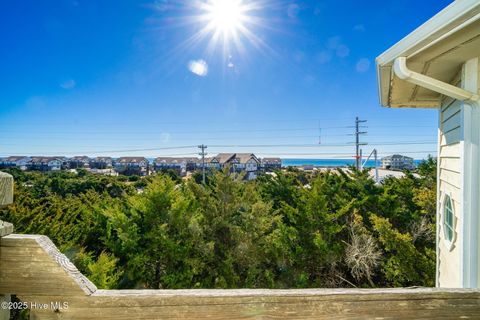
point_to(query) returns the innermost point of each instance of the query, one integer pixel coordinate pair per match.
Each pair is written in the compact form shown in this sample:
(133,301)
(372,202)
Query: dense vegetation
(291,230)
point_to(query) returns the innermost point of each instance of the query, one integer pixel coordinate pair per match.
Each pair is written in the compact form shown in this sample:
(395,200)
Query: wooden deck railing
(32,268)
(6,189)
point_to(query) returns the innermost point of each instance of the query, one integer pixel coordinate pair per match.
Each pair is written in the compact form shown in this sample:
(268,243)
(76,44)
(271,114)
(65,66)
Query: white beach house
(437,66)
(397,162)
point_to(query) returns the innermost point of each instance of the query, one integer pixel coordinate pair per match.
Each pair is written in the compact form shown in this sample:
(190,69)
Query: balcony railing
(33,269)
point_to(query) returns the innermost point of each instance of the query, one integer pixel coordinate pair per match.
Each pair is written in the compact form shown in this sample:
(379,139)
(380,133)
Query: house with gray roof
(101,163)
(79,162)
(41,163)
(179,164)
(15,161)
(132,166)
(238,162)
(271,164)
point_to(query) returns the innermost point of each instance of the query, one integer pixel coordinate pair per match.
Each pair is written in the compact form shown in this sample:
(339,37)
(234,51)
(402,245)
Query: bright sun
(226,15)
(226,25)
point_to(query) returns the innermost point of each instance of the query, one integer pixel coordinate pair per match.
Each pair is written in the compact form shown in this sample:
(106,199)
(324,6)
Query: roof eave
(448,21)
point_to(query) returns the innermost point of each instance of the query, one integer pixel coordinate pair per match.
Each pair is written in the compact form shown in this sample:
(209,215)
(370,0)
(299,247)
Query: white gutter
(401,70)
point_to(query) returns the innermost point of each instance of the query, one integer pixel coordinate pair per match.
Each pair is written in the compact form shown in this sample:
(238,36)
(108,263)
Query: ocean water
(321,162)
(328,162)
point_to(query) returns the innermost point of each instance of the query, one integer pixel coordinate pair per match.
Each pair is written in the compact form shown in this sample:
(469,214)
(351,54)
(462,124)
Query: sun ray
(227,24)
(224,27)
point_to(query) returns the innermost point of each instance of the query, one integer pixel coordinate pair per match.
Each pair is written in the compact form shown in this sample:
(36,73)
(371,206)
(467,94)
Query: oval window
(448,219)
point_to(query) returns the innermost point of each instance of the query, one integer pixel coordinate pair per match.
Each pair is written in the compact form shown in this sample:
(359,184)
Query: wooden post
(6,189)
(6,197)
(5,229)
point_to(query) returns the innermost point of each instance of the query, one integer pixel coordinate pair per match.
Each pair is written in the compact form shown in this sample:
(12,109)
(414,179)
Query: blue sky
(113,77)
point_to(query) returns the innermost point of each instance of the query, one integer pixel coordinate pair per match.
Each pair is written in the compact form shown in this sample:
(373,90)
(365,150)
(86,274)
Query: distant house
(101,163)
(271,164)
(65,162)
(132,166)
(212,163)
(223,160)
(15,161)
(238,162)
(193,163)
(45,163)
(397,162)
(385,173)
(79,162)
(307,167)
(169,163)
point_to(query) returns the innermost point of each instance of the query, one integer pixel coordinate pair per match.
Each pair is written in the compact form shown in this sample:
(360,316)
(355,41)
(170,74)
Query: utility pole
(203,153)
(357,141)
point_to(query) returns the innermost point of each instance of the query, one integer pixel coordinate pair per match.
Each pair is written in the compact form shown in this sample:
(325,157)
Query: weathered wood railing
(32,268)
(6,189)
(6,198)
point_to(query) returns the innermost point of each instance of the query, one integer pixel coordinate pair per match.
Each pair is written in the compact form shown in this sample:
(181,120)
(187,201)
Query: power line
(53,154)
(83,123)
(166,131)
(257,137)
(144,149)
(217,131)
(243,146)
(176,139)
(406,126)
(316,145)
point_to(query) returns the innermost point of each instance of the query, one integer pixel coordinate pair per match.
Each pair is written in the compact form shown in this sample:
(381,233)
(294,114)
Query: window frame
(447,197)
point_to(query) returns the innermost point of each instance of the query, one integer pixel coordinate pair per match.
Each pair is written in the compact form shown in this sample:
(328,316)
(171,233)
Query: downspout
(401,70)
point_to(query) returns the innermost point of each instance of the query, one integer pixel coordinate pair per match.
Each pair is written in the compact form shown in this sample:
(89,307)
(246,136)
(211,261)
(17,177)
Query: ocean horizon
(289,162)
(329,162)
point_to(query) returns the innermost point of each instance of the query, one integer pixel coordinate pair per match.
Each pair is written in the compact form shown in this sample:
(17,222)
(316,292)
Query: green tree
(155,235)
(332,228)
(404,265)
